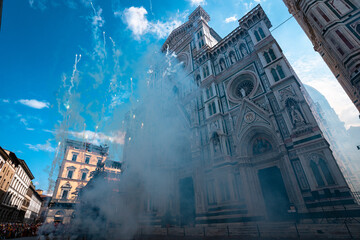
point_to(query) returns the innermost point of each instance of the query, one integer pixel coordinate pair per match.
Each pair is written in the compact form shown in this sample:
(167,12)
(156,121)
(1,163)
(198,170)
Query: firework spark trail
(104,43)
(77,60)
(56,159)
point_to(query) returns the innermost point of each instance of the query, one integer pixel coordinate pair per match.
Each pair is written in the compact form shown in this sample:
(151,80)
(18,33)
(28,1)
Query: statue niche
(222,65)
(296,116)
(216,144)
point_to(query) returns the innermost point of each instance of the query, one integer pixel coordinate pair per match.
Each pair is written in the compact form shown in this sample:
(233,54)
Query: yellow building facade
(80,160)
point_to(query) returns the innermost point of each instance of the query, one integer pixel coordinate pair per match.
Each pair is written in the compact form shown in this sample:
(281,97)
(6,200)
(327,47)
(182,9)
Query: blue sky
(40,41)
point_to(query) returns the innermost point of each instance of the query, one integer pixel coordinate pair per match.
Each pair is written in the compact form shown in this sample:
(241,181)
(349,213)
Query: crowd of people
(17,230)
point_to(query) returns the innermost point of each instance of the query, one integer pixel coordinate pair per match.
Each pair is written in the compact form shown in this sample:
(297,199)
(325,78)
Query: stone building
(15,181)
(33,208)
(333,27)
(9,163)
(257,152)
(334,131)
(16,195)
(80,160)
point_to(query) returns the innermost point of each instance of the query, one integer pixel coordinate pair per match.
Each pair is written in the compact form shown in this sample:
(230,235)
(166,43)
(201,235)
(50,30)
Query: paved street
(25,238)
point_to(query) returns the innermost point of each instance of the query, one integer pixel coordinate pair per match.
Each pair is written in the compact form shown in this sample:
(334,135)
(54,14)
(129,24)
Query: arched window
(257,36)
(232,57)
(280,71)
(261,145)
(275,75)
(272,54)
(319,180)
(243,50)
(326,172)
(267,57)
(262,34)
(206,72)
(222,64)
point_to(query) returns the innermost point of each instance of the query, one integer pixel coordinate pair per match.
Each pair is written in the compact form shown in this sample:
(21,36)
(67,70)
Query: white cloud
(38,4)
(195,3)
(248,6)
(34,103)
(5,100)
(231,19)
(41,147)
(135,19)
(163,29)
(137,22)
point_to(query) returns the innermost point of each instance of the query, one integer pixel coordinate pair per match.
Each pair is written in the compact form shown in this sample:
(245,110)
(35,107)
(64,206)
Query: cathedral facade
(258,151)
(333,26)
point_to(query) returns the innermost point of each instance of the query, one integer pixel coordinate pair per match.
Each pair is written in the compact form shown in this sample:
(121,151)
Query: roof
(13,157)
(102,150)
(4,154)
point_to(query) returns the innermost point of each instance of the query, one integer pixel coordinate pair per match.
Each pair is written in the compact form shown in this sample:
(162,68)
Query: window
(87,159)
(274,74)
(257,36)
(83,176)
(212,108)
(262,34)
(326,172)
(199,34)
(206,72)
(74,157)
(267,57)
(272,54)
(70,174)
(65,194)
(280,71)
(277,73)
(99,161)
(319,180)
(344,39)
(201,43)
(209,92)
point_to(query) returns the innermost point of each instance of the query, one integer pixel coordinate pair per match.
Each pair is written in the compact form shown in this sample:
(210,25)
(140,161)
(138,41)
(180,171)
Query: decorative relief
(286,93)
(249,117)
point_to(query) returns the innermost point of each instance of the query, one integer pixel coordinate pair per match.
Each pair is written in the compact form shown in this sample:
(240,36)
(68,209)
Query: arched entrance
(274,192)
(59,217)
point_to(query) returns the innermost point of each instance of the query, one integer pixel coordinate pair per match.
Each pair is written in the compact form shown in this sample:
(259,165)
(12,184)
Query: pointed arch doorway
(274,192)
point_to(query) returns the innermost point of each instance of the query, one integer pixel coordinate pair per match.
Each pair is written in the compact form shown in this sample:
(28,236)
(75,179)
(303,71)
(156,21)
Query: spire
(199,12)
